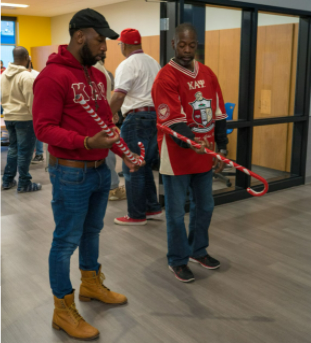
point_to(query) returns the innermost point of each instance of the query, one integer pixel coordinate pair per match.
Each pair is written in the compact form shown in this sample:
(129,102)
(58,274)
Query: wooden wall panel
(150,44)
(273,73)
(39,55)
(114,56)
(275,86)
(222,55)
(212,45)
(273,95)
(271,142)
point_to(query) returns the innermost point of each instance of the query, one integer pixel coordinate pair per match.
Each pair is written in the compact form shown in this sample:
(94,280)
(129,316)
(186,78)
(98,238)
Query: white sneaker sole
(155,216)
(116,199)
(206,267)
(178,278)
(118,222)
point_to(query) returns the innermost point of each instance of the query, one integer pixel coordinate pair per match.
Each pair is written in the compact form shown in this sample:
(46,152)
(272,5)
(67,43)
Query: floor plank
(261,293)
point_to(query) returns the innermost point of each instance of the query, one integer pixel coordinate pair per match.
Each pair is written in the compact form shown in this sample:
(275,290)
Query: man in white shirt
(117,192)
(133,82)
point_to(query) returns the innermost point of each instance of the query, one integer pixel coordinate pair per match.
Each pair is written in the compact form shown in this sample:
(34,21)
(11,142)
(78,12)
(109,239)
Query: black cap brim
(106,32)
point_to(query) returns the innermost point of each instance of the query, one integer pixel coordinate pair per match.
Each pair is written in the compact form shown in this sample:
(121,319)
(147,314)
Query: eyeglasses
(120,43)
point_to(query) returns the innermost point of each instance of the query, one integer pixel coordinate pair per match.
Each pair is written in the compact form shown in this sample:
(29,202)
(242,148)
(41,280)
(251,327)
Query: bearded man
(78,172)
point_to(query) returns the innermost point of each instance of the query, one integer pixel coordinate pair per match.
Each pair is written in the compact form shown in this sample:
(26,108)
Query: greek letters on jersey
(191,97)
(88,91)
(196,84)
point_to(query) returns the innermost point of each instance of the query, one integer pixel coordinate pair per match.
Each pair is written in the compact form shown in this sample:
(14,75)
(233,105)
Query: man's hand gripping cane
(218,164)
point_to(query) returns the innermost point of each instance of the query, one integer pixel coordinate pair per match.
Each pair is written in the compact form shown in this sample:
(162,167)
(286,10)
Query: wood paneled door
(275,86)
(222,55)
(275,94)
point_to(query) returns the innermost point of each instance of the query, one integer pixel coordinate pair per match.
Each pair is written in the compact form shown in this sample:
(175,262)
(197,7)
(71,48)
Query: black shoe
(9,185)
(182,273)
(121,174)
(206,261)
(37,159)
(32,187)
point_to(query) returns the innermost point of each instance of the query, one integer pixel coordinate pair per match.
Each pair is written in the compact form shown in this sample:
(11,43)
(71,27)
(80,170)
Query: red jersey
(194,98)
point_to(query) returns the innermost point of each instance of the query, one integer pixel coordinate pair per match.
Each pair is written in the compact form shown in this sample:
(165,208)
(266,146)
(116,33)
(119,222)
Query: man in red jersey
(78,172)
(188,99)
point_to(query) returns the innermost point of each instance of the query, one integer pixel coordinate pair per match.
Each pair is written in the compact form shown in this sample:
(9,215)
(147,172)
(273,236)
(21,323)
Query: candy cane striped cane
(105,128)
(169,131)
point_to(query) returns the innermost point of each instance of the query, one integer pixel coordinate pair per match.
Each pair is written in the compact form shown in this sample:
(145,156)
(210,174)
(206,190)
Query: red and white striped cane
(169,131)
(110,133)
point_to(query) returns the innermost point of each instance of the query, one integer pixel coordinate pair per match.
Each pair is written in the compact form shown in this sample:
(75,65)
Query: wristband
(85,143)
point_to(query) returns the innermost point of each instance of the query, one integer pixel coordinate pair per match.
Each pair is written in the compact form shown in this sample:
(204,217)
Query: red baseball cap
(130,36)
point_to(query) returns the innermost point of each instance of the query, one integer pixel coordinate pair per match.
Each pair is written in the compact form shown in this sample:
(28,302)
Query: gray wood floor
(261,293)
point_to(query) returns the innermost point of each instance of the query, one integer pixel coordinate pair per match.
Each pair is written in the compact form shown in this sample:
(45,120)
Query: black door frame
(174,11)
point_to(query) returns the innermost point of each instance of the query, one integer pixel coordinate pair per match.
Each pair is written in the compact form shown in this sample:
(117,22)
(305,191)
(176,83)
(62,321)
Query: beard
(87,57)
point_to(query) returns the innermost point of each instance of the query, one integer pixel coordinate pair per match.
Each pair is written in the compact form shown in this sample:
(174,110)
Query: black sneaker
(206,261)
(9,185)
(32,187)
(182,273)
(37,159)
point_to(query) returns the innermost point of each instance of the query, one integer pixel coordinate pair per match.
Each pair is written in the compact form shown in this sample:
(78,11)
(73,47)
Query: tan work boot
(117,194)
(67,318)
(92,288)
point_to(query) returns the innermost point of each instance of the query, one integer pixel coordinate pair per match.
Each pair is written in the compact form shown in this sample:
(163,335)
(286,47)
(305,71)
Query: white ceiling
(51,8)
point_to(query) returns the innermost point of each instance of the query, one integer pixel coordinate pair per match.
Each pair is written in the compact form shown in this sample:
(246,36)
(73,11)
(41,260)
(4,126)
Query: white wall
(297,4)
(220,19)
(145,17)
(138,14)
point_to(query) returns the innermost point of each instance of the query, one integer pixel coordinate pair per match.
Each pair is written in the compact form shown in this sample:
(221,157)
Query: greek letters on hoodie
(59,120)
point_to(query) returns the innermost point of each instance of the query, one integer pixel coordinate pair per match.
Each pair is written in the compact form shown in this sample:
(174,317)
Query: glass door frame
(172,13)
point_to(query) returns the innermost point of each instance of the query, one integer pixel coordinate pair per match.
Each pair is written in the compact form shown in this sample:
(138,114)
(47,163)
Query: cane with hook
(110,133)
(169,131)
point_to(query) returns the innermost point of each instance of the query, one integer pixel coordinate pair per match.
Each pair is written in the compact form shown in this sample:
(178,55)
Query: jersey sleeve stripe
(120,90)
(174,121)
(221,116)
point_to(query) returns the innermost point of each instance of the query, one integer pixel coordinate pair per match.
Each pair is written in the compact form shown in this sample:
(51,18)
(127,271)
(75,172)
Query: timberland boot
(67,318)
(92,288)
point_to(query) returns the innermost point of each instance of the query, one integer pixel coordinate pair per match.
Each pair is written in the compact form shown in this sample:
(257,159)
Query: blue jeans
(79,204)
(111,164)
(140,187)
(181,247)
(39,148)
(22,142)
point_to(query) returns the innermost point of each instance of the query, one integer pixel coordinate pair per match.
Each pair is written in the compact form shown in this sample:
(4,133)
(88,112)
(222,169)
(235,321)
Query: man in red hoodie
(80,178)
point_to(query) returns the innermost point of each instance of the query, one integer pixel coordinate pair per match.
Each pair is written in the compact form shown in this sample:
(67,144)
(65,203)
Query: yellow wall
(33,31)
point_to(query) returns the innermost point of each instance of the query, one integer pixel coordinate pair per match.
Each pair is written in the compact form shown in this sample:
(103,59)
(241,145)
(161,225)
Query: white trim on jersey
(183,119)
(165,165)
(180,68)
(218,114)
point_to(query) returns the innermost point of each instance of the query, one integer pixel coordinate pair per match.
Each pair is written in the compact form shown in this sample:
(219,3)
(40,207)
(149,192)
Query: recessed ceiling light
(5,4)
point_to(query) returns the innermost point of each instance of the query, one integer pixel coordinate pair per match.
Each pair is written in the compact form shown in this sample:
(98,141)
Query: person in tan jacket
(17,99)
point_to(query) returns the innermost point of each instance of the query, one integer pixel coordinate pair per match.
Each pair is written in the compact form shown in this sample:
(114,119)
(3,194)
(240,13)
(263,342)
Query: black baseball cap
(89,18)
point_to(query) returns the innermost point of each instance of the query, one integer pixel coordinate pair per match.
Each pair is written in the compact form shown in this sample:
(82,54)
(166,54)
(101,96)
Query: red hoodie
(61,122)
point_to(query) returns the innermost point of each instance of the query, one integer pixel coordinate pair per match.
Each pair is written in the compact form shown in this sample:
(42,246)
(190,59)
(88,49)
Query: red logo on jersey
(202,112)
(163,111)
